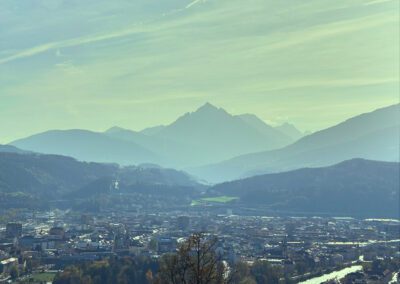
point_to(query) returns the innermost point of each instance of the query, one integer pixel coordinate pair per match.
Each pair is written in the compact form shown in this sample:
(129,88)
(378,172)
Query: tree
(241,273)
(71,275)
(14,273)
(195,262)
(153,244)
(125,270)
(263,272)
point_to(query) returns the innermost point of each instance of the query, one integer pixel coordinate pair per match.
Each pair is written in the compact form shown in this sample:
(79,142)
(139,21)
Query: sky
(94,64)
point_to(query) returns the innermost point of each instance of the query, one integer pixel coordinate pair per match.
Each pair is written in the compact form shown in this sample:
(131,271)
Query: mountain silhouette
(207,135)
(88,146)
(355,187)
(10,149)
(290,130)
(373,135)
(54,177)
(211,133)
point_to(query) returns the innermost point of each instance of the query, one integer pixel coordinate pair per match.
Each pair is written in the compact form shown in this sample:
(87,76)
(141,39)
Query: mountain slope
(53,177)
(355,187)
(152,130)
(212,134)
(205,136)
(48,175)
(290,130)
(162,147)
(10,149)
(286,129)
(373,135)
(135,137)
(88,146)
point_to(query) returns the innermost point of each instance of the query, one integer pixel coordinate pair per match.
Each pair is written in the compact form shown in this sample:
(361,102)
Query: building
(183,223)
(27,242)
(166,245)
(7,264)
(57,231)
(13,230)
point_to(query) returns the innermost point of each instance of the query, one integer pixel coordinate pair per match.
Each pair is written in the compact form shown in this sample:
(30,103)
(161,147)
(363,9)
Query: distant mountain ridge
(352,188)
(356,187)
(216,134)
(86,145)
(54,177)
(246,145)
(290,130)
(10,149)
(373,135)
(152,130)
(47,175)
(207,135)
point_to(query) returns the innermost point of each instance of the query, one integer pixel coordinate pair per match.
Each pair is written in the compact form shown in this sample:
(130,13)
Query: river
(333,275)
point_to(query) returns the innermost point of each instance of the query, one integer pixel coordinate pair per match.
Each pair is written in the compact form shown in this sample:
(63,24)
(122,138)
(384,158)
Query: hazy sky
(97,63)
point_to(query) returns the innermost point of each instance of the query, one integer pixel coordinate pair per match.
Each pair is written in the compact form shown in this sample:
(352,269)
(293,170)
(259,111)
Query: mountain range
(216,146)
(373,135)
(355,188)
(88,146)
(214,134)
(352,188)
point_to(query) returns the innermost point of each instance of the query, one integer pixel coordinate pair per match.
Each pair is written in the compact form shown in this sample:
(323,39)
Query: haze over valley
(228,146)
(199,141)
(215,134)
(360,150)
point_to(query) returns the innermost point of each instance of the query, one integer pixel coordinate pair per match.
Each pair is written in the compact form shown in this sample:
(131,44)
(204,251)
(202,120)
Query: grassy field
(43,277)
(217,199)
(220,199)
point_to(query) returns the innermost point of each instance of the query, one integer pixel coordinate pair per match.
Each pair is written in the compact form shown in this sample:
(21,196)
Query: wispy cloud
(194,3)
(323,31)
(373,2)
(128,31)
(327,83)
(289,39)
(69,67)
(69,43)
(249,56)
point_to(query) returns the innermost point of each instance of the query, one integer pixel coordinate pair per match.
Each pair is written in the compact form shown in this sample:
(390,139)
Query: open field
(43,277)
(216,199)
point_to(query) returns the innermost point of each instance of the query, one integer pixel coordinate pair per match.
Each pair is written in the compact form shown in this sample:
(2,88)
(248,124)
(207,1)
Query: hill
(356,187)
(53,177)
(48,175)
(10,149)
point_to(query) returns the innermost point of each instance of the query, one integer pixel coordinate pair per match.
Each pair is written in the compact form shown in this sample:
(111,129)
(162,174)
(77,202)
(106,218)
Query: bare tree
(195,263)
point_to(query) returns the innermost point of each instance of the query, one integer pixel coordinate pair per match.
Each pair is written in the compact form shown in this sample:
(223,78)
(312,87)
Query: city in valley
(299,249)
(199,142)
(66,219)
